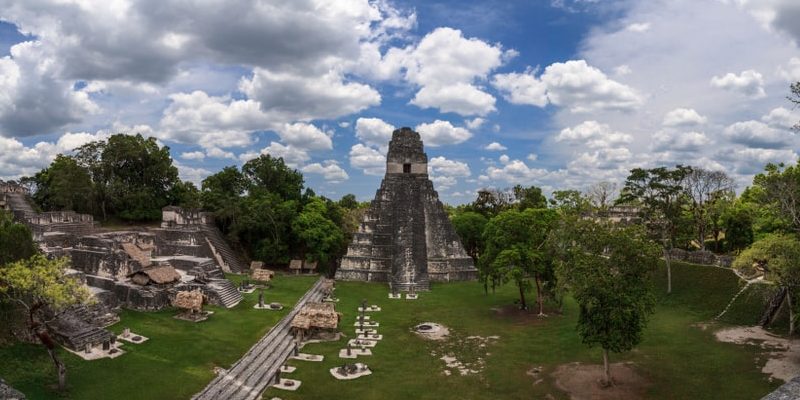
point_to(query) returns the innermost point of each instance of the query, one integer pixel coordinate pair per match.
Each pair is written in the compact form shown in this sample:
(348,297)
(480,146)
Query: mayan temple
(406,238)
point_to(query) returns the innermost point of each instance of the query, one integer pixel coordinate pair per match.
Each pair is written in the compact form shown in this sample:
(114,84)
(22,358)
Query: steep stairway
(221,247)
(226,291)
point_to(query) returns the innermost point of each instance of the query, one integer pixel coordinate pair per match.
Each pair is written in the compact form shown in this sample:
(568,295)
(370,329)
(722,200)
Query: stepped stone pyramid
(406,238)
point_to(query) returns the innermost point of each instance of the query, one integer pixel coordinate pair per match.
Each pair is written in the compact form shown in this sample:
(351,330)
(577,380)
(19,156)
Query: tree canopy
(42,287)
(608,270)
(516,250)
(16,240)
(126,176)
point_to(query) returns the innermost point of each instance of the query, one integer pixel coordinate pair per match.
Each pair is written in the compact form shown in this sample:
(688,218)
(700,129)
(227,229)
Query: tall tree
(133,178)
(469,226)
(570,202)
(42,288)
(270,174)
(780,190)
(16,240)
(64,185)
(778,256)
(222,194)
(737,221)
(608,269)
(320,236)
(602,194)
(660,194)
(706,189)
(491,202)
(349,202)
(528,197)
(516,250)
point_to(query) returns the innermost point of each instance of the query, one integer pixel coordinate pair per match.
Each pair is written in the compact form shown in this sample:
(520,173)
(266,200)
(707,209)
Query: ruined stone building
(140,269)
(406,238)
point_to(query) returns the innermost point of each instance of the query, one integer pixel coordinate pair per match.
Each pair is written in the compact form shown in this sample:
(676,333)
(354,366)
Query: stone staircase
(256,370)
(231,261)
(19,202)
(209,269)
(226,290)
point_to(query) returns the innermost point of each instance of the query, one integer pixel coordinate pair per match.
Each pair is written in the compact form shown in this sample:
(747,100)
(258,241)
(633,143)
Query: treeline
(263,208)
(126,177)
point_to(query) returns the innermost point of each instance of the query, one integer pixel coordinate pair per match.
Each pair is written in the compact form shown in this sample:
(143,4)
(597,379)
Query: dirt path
(582,382)
(783,358)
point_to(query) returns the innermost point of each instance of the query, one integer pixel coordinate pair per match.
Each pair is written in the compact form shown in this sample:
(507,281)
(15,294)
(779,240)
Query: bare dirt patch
(783,355)
(464,355)
(582,381)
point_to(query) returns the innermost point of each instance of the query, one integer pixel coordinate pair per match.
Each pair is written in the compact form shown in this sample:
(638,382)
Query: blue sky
(560,94)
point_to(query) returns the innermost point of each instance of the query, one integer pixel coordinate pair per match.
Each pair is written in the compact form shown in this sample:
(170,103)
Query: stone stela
(406,238)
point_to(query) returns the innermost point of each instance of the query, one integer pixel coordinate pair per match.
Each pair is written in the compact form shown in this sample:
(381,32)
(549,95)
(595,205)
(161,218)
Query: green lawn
(175,363)
(681,360)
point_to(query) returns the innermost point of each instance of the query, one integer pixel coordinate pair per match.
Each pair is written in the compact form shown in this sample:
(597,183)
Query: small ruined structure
(192,304)
(192,232)
(262,275)
(315,319)
(406,238)
(190,300)
(158,275)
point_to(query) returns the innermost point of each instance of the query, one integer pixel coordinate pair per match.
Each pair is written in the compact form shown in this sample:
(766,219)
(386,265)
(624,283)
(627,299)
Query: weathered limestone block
(406,238)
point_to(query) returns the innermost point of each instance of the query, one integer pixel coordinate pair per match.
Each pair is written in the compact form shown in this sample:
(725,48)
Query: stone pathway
(255,371)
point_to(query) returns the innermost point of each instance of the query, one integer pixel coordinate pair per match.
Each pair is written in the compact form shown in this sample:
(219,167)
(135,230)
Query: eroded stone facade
(406,238)
(107,260)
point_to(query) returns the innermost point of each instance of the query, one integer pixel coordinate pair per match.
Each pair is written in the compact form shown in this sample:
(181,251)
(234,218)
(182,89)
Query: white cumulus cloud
(438,133)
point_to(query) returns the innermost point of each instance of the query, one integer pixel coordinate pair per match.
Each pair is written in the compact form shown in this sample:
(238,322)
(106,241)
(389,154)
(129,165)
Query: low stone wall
(702,257)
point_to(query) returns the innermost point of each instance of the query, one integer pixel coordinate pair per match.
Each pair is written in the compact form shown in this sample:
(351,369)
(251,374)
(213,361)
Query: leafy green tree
(185,194)
(778,256)
(264,227)
(222,194)
(570,202)
(766,216)
(469,226)
(780,191)
(141,176)
(608,269)
(133,178)
(269,174)
(321,238)
(529,197)
(42,288)
(16,240)
(64,185)
(738,223)
(349,202)
(660,194)
(491,202)
(516,250)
